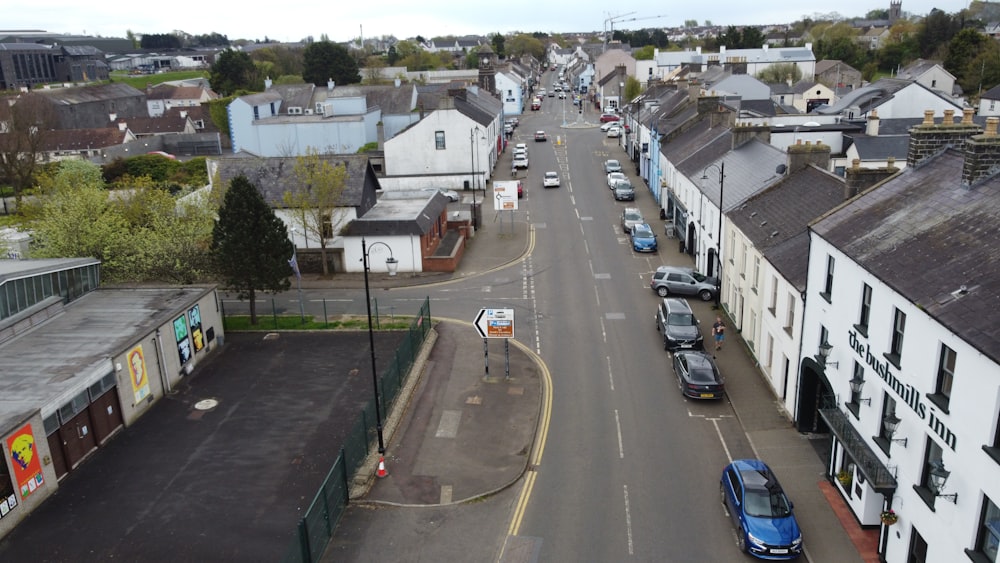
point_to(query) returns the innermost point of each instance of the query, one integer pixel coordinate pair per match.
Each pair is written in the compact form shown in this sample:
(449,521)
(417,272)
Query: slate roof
(925,236)
(917,68)
(827,64)
(992,94)
(82,139)
(389,98)
(701,134)
(172,123)
(274,176)
(760,108)
(297,95)
(881,147)
(400,216)
(194,113)
(750,168)
(776,219)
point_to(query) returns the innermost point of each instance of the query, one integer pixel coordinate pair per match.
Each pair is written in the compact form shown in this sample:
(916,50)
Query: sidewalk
(464,437)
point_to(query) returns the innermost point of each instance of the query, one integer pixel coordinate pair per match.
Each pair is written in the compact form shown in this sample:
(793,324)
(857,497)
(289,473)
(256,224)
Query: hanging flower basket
(845,478)
(889,517)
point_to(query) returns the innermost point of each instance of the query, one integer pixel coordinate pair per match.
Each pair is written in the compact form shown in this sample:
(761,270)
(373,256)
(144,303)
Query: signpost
(505,199)
(495,323)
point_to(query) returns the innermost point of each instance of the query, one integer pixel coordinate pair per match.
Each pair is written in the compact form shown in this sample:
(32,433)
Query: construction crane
(610,23)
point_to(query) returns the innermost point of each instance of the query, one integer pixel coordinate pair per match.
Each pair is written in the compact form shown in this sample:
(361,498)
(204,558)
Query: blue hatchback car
(762,514)
(643,238)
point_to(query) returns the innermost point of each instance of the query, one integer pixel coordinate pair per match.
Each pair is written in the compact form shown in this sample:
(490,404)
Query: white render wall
(405,248)
(974,406)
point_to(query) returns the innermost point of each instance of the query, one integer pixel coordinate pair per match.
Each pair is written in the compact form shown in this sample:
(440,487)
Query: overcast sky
(343,20)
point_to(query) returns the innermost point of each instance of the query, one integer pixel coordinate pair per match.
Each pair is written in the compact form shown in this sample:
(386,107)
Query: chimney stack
(982,155)
(801,155)
(872,128)
(929,138)
(857,179)
(746,132)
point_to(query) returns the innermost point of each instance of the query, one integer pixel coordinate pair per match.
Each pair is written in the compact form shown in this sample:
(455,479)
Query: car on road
(630,218)
(697,375)
(523,146)
(643,238)
(519,153)
(677,324)
(552,93)
(759,509)
(675,280)
(606,117)
(536,104)
(614,132)
(521,161)
(612,165)
(624,191)
(551,180)
(615,177)
(540,136)
(608,125)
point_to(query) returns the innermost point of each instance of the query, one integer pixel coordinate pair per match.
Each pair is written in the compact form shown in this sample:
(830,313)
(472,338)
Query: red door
(77,437)
(106,415)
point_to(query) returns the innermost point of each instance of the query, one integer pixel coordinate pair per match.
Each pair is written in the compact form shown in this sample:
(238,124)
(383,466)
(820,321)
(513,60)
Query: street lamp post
(392,265)
(718,240)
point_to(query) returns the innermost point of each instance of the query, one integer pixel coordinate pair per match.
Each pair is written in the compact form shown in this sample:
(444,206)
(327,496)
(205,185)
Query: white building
(900,346)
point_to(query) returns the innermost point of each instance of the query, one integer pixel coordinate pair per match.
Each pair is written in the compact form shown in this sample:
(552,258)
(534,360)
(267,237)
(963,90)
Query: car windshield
(698,277)
(643,233)
(766,503)
(550,175)
(623,185)
(613,164)
(633,217)
(680,319)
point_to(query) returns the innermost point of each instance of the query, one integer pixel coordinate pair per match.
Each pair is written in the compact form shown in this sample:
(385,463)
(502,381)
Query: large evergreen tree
(233,71)
(324,60)
(250,245)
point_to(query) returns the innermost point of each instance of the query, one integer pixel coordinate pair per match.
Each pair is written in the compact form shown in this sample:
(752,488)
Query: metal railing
(879,476)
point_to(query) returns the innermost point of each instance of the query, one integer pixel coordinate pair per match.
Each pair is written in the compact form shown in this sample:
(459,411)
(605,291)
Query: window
(774,295)
(945,377)
(988,540)
(755,281)
(932,458)
(439,140)
(854,405)
(790,314)
(827,293)
(896,346)
(994,450)
(866,309)
(918,548)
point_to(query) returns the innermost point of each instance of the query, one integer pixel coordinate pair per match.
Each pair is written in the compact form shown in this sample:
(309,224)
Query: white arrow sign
(495,323)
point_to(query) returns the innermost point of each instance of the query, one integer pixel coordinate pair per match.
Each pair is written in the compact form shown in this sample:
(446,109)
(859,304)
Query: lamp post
(392,265)
(294,263)
(475,170)
(718,242)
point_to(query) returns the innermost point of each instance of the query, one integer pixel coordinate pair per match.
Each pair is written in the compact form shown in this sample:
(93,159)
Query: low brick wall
(450,262)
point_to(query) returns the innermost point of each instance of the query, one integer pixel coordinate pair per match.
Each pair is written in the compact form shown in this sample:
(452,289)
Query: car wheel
(662,291)
(705,295)
(666,342)
(722,499)
(741,539)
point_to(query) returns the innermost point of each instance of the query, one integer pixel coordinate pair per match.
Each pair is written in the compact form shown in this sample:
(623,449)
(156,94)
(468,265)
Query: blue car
(643,239)
(762,514)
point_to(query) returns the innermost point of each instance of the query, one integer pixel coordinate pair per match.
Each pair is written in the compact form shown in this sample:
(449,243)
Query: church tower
(487,69)
(895,10)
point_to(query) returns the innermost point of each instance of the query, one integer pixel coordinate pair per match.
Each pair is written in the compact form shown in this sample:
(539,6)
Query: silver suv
(671,280)
(678,325)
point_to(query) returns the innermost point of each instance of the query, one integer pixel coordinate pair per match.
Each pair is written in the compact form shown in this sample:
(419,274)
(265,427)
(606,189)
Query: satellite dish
(780,169)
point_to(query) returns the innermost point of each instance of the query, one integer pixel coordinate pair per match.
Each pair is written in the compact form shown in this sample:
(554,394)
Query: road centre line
(611,377)
(628,523)
(621,447)
(722,440)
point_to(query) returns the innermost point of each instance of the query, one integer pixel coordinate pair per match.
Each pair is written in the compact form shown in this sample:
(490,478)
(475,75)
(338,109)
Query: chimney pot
(928,117)
(991,126)
(891,162)
(967,116)
(949,117)
(856,163)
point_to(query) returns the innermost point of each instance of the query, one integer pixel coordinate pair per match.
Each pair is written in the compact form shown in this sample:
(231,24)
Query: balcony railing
(877,474)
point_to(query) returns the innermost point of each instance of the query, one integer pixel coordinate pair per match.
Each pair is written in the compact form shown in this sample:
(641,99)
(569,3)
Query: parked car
(624,191)
(562,95)
(760,511)
(536,104)
(608,125)
(697,375)
(614,132)
(612,165)
(630,218)
(540,136)
(523,146)
(675,280)
(452,195)
(606,117)
(615,177)
(521,161)
(520,153)
(678,325)
(643,238)
(551,180)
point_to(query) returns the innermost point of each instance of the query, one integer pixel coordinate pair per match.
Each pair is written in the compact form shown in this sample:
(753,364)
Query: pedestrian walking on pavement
(719,332)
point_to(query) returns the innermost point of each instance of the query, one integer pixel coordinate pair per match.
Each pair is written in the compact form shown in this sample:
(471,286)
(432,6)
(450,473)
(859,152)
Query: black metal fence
(315,529)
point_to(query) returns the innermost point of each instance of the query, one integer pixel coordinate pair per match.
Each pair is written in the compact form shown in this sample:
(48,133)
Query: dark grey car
(678,325)
(624,192)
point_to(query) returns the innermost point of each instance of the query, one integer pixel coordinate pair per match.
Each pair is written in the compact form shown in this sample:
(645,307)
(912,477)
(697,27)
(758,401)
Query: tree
(250,246)
(26,124)
(233,71)
(780,72)
(498,45)
(643,53)
(524,44)
(282,61)
(937,30)
(690,23)
(391,56)
(316,204)
(374,65)
(964,57)
(323,60)
(160,41)
(753,38)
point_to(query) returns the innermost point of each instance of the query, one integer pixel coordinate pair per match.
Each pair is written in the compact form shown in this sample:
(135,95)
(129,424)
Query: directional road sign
(495,323)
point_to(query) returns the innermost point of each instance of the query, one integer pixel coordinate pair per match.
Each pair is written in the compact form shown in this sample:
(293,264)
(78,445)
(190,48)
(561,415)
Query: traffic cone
(381,468)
